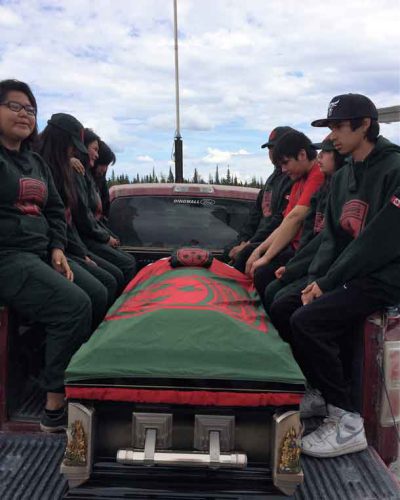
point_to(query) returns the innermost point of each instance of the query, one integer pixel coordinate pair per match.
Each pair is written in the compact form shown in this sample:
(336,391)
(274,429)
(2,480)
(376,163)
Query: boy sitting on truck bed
(355,272)
(267,212)
(297,157)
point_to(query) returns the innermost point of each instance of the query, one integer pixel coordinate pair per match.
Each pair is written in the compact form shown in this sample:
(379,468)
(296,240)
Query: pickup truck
(152,221)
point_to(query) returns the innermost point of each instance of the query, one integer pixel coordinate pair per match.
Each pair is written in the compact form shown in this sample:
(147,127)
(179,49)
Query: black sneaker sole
(56,428)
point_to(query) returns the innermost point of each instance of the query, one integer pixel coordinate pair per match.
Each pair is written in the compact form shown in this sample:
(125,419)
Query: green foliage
(229,179)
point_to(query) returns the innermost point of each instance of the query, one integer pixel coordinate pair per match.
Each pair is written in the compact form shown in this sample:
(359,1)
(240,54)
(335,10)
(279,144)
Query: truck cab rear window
(173,221)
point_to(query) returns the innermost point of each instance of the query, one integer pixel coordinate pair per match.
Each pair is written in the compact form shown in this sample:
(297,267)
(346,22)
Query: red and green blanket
(187,323)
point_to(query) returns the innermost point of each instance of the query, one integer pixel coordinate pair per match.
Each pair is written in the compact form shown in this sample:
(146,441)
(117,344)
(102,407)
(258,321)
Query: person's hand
(90,261)
(60,264)
(113,242)
(255,255)
(235,250)
(77,165)
(310,293)
(280,272)
(262,261)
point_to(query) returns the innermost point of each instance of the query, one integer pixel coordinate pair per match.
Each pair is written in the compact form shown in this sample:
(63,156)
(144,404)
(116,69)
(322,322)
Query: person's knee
(270,293)
(99,298)
(129,267)
(260,281)
(77,304)
(278,314)
(299,321)
(112,288)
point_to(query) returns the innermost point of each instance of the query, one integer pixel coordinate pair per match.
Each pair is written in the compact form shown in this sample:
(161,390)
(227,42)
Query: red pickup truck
(152,220)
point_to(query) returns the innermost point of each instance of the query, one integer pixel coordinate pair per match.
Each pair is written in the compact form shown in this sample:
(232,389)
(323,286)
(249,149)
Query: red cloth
(197,398)
(301,193)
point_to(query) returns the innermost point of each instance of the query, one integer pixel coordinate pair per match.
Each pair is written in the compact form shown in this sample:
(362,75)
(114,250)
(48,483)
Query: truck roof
(194,190)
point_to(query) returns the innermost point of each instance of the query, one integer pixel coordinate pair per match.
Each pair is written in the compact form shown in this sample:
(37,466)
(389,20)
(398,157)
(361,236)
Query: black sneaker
(54,421)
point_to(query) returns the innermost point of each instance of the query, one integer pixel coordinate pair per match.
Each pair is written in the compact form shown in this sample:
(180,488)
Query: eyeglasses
(17,107)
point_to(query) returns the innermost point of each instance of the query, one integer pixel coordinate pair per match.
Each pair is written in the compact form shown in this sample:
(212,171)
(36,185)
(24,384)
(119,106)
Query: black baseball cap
(347,107)
(276,134)
(325,145)
(70,124)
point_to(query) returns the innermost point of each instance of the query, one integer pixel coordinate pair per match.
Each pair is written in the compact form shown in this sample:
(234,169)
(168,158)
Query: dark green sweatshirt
(31,211)
(87,213)
(361,236)
(75,246)
(267,213)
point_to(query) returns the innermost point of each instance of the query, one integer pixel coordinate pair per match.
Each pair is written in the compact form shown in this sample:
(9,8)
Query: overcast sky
(245,67)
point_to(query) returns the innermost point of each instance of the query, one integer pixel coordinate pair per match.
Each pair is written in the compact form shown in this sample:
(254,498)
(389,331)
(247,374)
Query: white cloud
(8,18)
(218,156)
(244,68)
(145,159)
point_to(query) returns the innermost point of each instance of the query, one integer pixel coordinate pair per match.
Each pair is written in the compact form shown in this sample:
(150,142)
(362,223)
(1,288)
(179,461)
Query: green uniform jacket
(87,213)
(361,235)
(267,213)
(31,211)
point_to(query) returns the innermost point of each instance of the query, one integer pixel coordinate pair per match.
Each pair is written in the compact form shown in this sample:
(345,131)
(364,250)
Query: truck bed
(29,469)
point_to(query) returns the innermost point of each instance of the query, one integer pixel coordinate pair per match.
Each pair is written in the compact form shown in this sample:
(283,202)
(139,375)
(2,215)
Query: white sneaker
(342,432)
(312,404)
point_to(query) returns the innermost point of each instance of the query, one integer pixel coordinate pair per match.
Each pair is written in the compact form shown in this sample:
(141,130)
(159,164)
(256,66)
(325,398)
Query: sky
(245,67)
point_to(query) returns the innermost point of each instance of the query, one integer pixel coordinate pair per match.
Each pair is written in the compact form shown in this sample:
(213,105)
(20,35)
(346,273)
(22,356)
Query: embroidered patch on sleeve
(266,203)
(395,201)
(354,214)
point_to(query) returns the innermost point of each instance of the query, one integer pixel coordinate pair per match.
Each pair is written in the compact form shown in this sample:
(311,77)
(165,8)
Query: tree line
(217,178)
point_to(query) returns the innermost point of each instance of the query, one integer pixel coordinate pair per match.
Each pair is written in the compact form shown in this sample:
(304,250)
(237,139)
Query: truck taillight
(390,398)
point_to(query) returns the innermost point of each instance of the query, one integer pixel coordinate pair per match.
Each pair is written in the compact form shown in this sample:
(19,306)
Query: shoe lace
(329,423)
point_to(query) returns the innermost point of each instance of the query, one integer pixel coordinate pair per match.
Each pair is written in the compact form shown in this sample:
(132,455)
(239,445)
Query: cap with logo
(276,134)
(347,107)
(72,126)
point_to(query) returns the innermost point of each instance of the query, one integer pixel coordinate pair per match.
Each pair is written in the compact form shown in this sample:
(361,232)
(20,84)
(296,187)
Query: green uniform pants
(96,291)
(122,260)
(36,291)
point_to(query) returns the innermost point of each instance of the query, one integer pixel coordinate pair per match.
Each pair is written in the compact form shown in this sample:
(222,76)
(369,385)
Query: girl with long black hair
(88,217)
(57,144)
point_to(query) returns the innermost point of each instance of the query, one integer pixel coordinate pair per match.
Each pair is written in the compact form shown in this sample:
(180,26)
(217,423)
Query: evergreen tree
(216,175)
(170,176)
(195,179)
(228,176)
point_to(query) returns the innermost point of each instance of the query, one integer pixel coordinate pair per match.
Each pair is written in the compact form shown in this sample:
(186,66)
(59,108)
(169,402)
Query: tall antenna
(178,139)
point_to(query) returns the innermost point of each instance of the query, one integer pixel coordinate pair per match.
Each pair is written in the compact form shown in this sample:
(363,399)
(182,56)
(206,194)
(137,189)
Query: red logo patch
(319,222)
(395,201)
(32,196)
(266,203)
(354,214)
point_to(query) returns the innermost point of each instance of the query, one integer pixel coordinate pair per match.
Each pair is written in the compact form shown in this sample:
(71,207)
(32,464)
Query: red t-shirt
(301,193)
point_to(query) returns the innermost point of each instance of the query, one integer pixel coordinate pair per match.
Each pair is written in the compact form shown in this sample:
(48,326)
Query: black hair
(106,155)
(338,159)
(373,130)
(89,136)
(53,144)
(11,85)
(290,145)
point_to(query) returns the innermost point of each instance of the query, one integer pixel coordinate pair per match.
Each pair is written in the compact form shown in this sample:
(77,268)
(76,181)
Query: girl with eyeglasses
(35,278)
